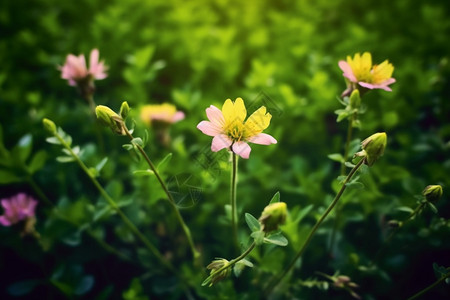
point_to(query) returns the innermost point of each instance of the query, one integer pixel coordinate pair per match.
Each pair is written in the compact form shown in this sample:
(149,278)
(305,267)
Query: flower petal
(219,142)
(242,149)
(234,112)
(258,121)
(4,221)
(209,128)
(215,115)
(348,73)
(262,139)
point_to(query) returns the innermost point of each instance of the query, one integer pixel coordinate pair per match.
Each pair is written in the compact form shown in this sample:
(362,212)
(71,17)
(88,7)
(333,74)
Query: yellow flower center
(235,127)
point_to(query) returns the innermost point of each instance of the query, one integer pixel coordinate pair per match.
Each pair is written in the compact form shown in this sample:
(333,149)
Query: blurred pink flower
(229,129)
(17,208)
(165,113)
(75,70)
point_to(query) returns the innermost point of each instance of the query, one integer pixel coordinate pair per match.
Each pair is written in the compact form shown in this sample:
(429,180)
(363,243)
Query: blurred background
(192,54)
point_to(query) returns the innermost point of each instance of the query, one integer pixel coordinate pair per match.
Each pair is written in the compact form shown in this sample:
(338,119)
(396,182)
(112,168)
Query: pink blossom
(75,70)
(17,208)
(230,130)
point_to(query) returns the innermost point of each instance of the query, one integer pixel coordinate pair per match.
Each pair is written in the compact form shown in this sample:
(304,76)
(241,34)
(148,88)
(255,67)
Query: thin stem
(278,279)
(114,205)
(187,232)
(394,232)
(233,202)
(417,295)
(338,208)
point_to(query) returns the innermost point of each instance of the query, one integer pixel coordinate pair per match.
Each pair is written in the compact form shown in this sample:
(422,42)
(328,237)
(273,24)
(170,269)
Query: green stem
(394,232)
(233,202)
(114,205)
(187,232)
(417,295)
(278,279)
(44,198)
(338,208)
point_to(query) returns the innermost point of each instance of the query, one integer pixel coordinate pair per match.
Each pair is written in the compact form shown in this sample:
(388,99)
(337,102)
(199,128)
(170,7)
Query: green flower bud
(394,224)
(124,110)
(272,216)
(214,266)
(373,147)
(433,193)
(355,99)
(49,125)
(110,119)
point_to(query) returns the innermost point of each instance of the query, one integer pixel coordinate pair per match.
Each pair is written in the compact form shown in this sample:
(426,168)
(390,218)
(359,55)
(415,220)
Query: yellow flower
(360,70)
(165,113)
(230,129)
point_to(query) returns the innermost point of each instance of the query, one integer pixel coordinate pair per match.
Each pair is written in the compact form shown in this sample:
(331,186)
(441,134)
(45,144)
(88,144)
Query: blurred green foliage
(282,54)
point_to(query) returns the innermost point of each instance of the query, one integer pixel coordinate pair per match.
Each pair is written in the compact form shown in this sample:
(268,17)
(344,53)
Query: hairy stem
(233,187)
(278,279)
(187,232)
(418,294)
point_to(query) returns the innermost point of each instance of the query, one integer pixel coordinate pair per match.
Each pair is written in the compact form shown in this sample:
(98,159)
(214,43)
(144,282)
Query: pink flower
(229,129)
(165,113)
(17,208)
(75,70)
(359,70)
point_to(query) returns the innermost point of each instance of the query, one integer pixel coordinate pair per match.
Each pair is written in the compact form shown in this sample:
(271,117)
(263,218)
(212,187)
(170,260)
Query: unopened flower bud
(272,216)
(374,146)
(355,99)
(110,119)
(216,265)
(124,110)
(394,224)
(49,125)
(433,193)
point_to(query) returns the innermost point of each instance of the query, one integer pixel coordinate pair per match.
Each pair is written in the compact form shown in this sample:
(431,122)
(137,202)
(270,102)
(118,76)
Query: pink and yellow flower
(17,208)
(360,70)
(164,113)
(75,70)
(229,130)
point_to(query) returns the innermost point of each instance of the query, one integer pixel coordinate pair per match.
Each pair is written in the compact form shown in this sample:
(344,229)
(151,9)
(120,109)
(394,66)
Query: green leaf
(127,146)
(336,157)
(7,177)
(22,288)
(164,162)
(101,164)
(439,271)
(276,239)
(23,147)
(137,141)
(147,172)
(53,140)
(355,185)
(240,266)
(258,236)
(252,222)
(65,159)
(303,212)
(37,161)
(275,198)
(432,207)
(405,209)
(84,285)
